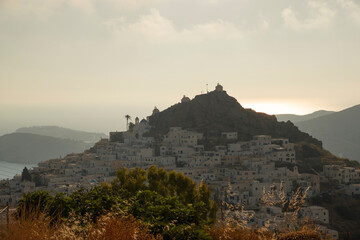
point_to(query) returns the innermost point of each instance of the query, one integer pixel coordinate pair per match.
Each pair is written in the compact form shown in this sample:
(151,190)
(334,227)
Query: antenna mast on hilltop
(207,89)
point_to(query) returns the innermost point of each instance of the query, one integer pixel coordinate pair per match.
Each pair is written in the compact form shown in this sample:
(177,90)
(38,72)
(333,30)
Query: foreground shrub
(234,233)
(120,228)
(301,235)
(168,202)
(38,226)
(35,226)
(185,232)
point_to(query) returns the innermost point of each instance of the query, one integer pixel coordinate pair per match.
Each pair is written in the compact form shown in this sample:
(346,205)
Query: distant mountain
(339,131)
(63,133)
(300,118)
(33,148)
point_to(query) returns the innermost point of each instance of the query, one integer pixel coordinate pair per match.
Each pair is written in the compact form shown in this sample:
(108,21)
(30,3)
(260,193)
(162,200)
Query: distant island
(35,144)
(63,133)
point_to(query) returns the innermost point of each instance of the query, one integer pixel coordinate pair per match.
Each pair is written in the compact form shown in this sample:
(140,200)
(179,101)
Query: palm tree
(127,116)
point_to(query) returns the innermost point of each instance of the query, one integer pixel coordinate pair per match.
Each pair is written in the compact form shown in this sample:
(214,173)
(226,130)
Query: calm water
(8,170)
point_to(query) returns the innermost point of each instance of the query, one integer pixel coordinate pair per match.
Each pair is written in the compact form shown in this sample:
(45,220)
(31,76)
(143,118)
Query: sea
(9,170)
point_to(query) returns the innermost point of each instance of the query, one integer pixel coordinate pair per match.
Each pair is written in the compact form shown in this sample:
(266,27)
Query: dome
(219,87)
(143,121)
(155,111)
(185,99)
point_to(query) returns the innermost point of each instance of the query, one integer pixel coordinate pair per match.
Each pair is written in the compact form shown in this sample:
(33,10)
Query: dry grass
(122,228)
(236,224)
(300,235)
(232,233)
(128,228)
(228,233)
(36,226)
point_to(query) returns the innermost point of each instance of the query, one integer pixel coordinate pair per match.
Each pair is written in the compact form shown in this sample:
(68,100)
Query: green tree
(169,217)
(158,180)
(131,127)
(25,175)
(37,179)
(127,116)
(36,202)
(131,181)
(167,184)
(170,203)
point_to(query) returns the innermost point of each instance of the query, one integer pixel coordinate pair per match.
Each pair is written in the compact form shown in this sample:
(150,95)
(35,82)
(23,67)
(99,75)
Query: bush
(345,212)
(302,235)
(168,202)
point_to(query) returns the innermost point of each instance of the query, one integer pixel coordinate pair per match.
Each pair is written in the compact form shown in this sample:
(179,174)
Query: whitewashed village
(237,173)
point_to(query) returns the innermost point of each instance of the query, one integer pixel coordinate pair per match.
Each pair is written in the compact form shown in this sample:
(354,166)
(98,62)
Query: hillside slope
(218,112)
(32,148)
(340,132)
(300,118)
(64,133)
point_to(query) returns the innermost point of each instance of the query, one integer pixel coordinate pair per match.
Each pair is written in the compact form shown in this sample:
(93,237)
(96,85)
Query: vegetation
(127,117)
(25,175)
(167,203)
(139,204)
(311,158)
(344,211)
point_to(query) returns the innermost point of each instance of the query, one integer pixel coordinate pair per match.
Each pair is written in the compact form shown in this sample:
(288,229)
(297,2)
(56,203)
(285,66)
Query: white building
(315,213)
(230,135)
(353,189)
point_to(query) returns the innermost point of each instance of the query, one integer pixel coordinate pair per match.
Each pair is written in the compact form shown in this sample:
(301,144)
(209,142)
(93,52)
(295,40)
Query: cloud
(86,6)
(155,28)
(214,30)
(320,16)
(263,24)
(352,7)
(43,9)
(130,4)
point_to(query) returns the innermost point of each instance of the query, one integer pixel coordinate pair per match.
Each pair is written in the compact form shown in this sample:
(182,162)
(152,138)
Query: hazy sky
(86,63)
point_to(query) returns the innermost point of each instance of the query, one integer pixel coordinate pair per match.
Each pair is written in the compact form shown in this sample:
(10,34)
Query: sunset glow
(272,107)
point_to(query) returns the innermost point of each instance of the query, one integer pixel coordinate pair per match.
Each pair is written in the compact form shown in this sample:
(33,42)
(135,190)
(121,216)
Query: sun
(277,107)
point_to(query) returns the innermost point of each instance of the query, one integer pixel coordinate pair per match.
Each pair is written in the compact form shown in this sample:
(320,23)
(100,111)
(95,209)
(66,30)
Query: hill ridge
(217,112)
(63,133)
(33,148)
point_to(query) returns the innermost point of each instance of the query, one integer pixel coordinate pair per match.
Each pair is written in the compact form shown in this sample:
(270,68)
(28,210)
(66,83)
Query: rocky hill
(217,112)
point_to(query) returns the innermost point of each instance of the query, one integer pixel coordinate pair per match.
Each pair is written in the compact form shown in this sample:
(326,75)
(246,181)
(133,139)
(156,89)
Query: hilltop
(217,112)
